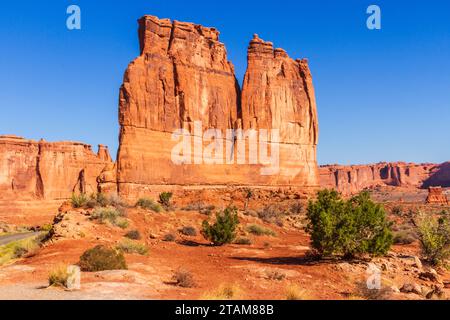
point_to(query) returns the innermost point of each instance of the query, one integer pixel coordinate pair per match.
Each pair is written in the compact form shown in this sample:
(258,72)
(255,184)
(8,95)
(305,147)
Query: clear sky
(382,95)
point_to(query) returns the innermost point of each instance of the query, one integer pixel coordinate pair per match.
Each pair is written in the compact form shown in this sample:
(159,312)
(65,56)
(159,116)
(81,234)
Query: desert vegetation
(102,258)
(133,235)
(58,276)
(183,278)
(223,230)
(188,231)
(110,215)
(259,230)
(95,200)
(130,246)
(434,236)
(347,228)
(148,204)
(165,199)
(226,291)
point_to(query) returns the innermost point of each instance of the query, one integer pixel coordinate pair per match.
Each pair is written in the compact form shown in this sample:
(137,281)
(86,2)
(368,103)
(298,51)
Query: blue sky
(382,95)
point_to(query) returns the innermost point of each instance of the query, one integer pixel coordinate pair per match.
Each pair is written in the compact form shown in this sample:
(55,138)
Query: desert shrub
(164,198)
(271,213)
(102,258)
(133,234)
(225,291)
(169,237)
(275,275)
(79,200)
(200,207)
(248,195)
(46,227)
(296,208)
(102,200)
(243,241)
(58,276)
(111,215)
(149,204)
(434,236)
(183,278)
(293,292)
(188,231)
(258,230)
(224,229)
(347,228)
(129,246)
(116,201)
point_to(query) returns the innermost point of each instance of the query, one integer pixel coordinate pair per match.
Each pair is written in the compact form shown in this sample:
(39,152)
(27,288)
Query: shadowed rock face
(183,76)
(353,179)
(31,170)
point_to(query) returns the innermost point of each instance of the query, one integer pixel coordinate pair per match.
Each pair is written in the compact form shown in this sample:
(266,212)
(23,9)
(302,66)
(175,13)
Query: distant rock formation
(183,77)
(32,170)
(352,179)
(436,196)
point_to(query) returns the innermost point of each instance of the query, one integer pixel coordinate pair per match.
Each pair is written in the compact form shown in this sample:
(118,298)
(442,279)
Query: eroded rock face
(353,179)
(436,196)
(278,94)
(183,76)
(31,170)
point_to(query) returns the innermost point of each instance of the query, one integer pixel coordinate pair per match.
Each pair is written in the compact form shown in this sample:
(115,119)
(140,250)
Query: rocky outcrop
(183,80)
(32,170)
(353,179)
(436,196)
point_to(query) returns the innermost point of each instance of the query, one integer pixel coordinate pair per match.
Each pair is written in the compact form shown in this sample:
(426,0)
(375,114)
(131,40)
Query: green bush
(434,236)
(347,228)
(224,229)
(258,230)
(79,200)
(133,234)
(149,204)
(102,258)
(129,246)
(164,198)
(111,215)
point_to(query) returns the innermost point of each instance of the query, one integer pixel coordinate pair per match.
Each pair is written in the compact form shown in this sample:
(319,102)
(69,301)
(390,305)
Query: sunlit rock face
(46,171)
(353,179)
(183,77)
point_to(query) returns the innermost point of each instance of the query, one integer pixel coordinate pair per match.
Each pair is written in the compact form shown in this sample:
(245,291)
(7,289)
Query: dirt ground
(265,269)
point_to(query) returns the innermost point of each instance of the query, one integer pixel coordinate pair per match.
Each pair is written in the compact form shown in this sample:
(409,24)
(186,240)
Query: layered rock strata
(40,170)
(353,179)
(183,81)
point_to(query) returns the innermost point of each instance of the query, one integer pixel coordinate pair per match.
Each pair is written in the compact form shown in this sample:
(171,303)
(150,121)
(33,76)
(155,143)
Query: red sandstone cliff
(31,170)
(183,76)
(353,179)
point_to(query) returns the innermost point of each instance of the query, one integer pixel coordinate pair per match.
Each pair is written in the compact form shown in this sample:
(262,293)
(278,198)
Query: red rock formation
(436,196)
(31,170)
(278,94)
(183,76)
(353,179)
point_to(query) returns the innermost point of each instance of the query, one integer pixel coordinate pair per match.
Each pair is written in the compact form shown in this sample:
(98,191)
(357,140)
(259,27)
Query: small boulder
(411,287)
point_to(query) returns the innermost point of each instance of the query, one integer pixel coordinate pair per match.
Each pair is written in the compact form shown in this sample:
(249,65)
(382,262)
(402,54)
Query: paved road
(4,240)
